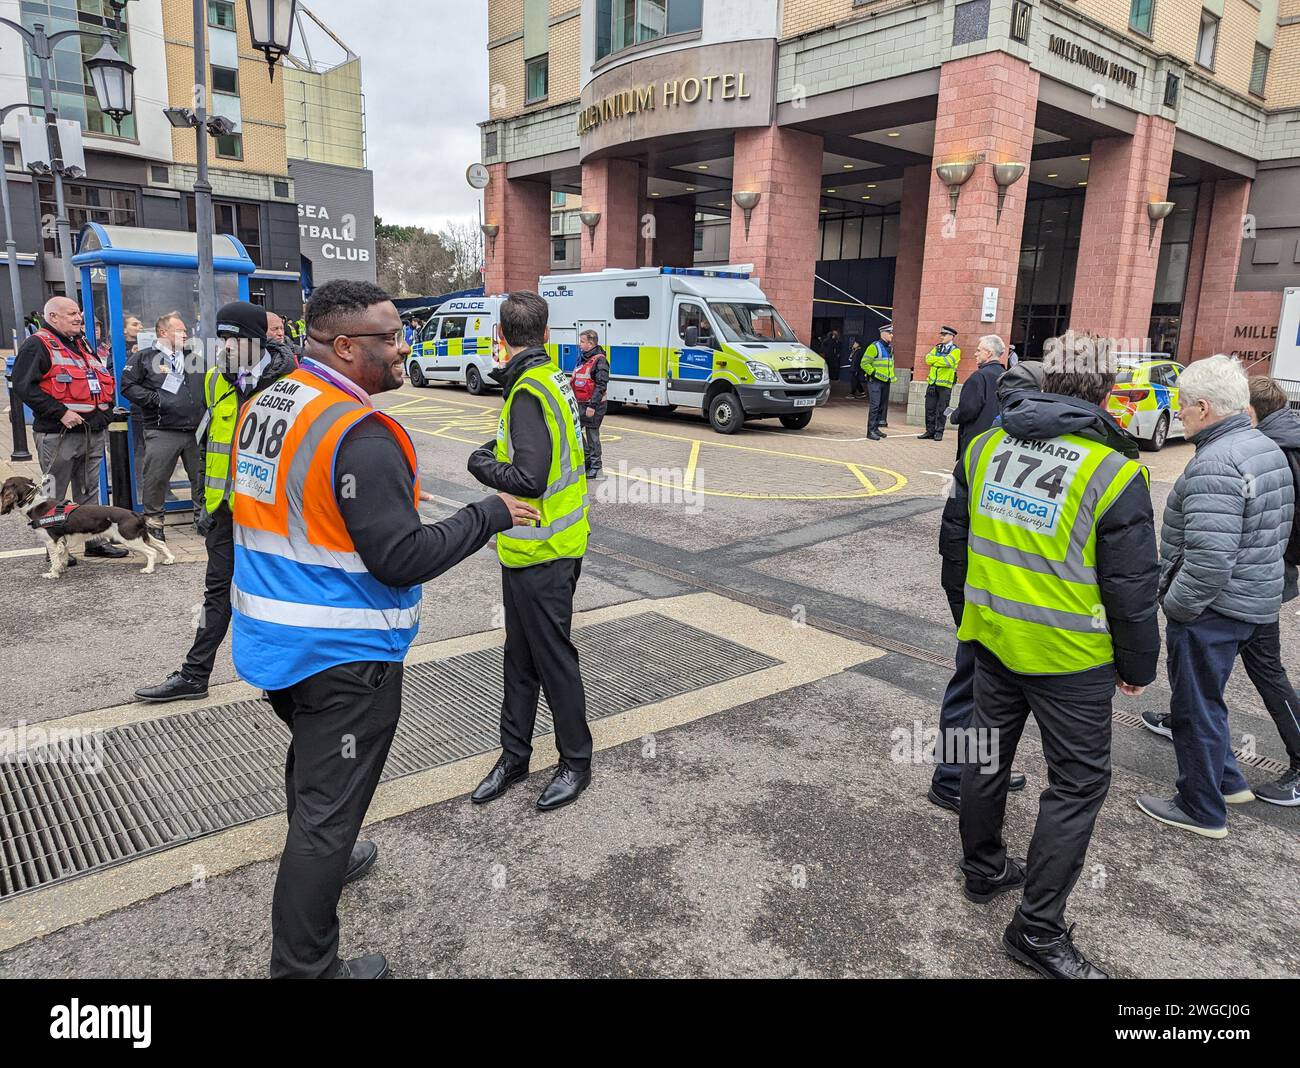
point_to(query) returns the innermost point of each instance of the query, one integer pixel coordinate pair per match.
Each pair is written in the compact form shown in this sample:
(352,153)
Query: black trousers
(936,400)
(591,437)
(1073,716)
(540,655)
(343,720)
(215,620)
(878,404)
(1261,656)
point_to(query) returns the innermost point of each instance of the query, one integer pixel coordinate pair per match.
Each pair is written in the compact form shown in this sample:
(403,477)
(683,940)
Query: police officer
(878,366)
(942,361)
(242,326)
(330,555)
(538,456)
(590,384)
(70,392)
(1048,546)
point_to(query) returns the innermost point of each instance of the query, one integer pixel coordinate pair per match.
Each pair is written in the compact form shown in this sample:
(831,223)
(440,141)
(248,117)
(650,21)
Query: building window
(74,95)
(225,80)
(535,74)
(558,199)
(221,13)
(160,175)
(1259,70)
(86,204)
(623,23)
(282,189)
(1140,15)
(243,220)
(1207,40)
(1172,269)
(230,147)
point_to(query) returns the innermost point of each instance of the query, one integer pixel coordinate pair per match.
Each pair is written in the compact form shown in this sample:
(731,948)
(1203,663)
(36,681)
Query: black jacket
(30,366)
(527,474)
(1128,568)
(1283,429)
(978,405)
(142,384)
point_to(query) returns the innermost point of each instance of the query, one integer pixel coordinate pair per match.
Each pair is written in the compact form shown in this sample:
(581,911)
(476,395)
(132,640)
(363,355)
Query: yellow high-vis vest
(223,412)
(563,529)
(1032,597)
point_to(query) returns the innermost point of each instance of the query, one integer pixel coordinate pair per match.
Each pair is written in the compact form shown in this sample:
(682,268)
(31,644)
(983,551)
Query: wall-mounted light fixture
(954,176)
(1006,174)
(590,219)
(490,231)
(746,200)
(1157,210)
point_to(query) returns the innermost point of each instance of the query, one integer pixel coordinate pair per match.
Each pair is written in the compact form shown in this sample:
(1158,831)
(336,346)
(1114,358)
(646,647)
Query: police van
(455,345)
(692,337)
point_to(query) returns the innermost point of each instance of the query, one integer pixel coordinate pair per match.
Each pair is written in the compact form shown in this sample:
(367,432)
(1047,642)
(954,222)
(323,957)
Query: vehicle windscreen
(751,322)
(1125,376)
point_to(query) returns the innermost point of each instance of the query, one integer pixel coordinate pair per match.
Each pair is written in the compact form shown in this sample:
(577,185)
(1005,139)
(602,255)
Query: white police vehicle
(456,345)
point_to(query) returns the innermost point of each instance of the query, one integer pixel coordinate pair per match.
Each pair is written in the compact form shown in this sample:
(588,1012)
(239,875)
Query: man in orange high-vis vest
(330,553)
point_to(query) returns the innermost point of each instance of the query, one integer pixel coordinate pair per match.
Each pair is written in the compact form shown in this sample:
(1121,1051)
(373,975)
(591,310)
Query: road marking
(10,554)
(691,464)
(862,478)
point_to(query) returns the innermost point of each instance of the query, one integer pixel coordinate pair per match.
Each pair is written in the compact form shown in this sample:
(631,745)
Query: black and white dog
(57,523)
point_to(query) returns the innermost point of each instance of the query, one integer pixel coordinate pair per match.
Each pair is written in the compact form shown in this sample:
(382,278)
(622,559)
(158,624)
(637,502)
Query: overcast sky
(424,74)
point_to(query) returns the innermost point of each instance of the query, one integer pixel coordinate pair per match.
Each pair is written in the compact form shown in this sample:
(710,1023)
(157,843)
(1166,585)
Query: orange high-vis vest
(302,600)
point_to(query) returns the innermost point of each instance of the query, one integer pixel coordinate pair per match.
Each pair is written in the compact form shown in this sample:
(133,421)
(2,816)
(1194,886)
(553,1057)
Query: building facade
(1129,167)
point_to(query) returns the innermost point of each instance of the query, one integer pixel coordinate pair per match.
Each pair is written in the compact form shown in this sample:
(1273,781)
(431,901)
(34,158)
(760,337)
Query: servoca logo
(130,1022)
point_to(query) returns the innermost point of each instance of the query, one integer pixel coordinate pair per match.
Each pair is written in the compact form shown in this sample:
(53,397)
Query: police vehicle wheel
(725,414)
(1159,437)
(796,422)
(474,382)
(417,376)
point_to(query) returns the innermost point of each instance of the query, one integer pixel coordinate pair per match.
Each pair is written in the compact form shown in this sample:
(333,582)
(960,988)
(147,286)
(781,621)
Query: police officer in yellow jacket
(1049,563)
(942,360)
(538,457)
(878,366)
(225,388)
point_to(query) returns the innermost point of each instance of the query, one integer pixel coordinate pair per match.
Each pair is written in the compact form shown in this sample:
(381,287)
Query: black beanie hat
(241,319)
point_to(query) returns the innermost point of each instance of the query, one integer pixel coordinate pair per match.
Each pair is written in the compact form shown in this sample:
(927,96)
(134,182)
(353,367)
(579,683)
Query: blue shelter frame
(142,273)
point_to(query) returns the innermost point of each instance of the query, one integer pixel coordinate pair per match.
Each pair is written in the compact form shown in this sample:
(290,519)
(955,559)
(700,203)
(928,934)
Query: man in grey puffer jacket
(1225,527)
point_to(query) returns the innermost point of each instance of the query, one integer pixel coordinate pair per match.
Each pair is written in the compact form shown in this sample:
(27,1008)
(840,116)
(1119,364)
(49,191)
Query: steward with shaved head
(70,392)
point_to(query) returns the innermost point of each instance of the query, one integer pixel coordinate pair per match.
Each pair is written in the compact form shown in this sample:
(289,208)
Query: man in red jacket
(590,384)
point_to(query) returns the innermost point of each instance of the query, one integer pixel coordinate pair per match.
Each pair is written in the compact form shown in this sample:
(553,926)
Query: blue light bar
(700,272)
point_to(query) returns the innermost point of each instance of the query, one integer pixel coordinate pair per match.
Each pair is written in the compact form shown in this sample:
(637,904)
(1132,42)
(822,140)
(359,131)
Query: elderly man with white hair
(1225,529)
(977,407)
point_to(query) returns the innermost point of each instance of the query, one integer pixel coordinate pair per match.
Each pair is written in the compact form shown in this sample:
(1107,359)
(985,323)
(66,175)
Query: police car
(455,345)
(1144,400)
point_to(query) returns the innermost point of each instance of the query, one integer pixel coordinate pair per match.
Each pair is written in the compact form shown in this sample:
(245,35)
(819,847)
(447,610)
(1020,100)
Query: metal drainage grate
(171,780)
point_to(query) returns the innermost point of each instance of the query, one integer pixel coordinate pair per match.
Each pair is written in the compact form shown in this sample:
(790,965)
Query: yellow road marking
(861,477)
(691,465)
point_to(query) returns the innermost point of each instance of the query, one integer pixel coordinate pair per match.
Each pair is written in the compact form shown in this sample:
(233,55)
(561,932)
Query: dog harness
(54,518)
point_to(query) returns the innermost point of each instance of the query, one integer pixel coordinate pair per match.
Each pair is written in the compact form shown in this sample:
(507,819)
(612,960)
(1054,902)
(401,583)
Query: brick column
(785,166)
(613,188)
(522,249)
(1195,268)
(910,261)
(986,106)
(674,242)
(1219,277)
(1115,279)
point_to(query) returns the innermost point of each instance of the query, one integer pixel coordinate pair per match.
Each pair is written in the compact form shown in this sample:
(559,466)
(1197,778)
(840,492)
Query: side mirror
(692,336)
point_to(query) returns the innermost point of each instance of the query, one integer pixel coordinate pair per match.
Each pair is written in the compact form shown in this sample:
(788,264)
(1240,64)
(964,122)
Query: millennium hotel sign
(674,92)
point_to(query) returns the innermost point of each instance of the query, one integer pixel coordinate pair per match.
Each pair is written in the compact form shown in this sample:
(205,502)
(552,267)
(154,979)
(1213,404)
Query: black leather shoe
(364,855)
(882,433)
(504,774)
(1054,959)
(982,891)
(924,437)
(176,687)
(873,437)
(564,788)
(951,799)
(371,966)
(106,550)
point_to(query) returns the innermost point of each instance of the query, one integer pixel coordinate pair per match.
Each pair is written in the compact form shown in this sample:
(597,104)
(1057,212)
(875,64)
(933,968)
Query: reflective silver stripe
(293,614)
(542,533)
(1032,613)
(296,481)
(221,448)
(1086,517)
(566,458)
(1070,570)
(77,406)
(301,552)
(572,478)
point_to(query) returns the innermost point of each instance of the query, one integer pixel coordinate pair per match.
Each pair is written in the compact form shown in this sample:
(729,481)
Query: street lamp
(114,81)
(270,24)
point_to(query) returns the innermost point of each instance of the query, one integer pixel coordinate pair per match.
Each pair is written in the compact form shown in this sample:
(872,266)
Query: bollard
(17,418)
(119,459)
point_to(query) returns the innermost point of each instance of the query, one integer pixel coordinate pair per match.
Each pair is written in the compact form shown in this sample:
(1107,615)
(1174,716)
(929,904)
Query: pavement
(771,825)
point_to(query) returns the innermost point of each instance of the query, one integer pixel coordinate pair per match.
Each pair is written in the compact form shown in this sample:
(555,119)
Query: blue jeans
(958,707)
(1201,657)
